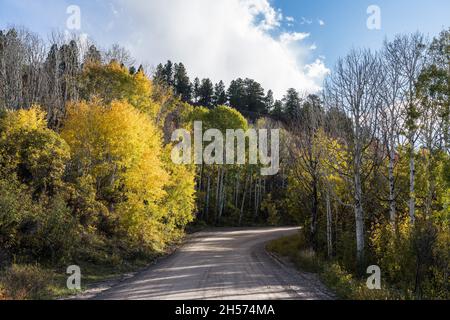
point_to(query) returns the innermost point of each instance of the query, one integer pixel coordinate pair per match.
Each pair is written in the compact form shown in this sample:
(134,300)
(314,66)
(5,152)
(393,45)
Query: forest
(86,174)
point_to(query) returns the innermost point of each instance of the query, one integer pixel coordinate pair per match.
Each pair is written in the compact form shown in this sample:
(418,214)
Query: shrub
(16,209)
(341,282)
(57,234)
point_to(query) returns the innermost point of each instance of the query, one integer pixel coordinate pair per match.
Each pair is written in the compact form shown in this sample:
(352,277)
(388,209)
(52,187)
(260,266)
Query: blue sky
(346,21)
(278,42)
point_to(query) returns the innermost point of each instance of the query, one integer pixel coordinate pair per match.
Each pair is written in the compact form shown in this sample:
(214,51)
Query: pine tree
(254,98)
(292,102)
(236,94)
(182,84)
(206,92)
(164,74)
(277,110)
(168,73)
(269,101)
(220,95)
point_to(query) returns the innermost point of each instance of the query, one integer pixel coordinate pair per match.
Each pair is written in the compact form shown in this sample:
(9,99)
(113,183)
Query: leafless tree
(120,54)
(353,88)
(408,53)
(392,95)
(307,155)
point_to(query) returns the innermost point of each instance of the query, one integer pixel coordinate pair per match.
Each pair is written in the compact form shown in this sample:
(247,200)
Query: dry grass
(25,282)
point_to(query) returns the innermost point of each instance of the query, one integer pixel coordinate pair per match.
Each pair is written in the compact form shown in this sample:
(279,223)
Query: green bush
(16,210)
(337,279)
(57,234)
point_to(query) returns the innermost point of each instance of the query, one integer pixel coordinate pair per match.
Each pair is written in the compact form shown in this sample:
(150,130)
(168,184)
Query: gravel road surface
(222,264)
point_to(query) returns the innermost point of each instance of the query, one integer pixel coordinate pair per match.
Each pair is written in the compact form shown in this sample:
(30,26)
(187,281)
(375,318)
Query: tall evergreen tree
(277,110)
(254,98)
(269,101)
(169,73)
(206,93)
(220,95)
(164,74)
(236,94)
(182,83)
(292,103)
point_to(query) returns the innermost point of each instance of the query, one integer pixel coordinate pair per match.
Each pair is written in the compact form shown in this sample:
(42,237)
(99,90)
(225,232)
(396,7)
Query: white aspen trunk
(256,198)
(263,189)
(359,213)
(208,189)
(243,201)
(200,183)
(218,193)
(236,196)
(430,176)
(329,225)
(412,177)
(392,202)
(359,217)
(250,192)
(222,193)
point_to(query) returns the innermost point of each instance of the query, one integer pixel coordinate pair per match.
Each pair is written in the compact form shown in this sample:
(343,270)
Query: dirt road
(221,265)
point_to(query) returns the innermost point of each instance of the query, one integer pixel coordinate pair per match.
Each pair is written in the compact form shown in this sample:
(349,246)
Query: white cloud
(317,69)
(313,47)
(305,21)
(321,22)
(288,37)
(221,39)
(264,15)
(290,19)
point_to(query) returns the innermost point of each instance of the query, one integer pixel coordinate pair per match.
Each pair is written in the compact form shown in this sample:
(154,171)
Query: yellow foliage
(26,120)
(35,153)
(114,82)
(120,148)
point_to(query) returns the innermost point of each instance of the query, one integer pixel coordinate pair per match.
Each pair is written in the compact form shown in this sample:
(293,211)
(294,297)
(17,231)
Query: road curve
(222,264)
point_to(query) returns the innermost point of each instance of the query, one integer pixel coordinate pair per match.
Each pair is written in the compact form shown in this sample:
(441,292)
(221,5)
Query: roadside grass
(39,282)
(45,281)
(345,285)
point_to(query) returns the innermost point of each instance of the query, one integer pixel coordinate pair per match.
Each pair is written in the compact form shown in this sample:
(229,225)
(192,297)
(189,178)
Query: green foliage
(16,207)
(272,210)
(223,118)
